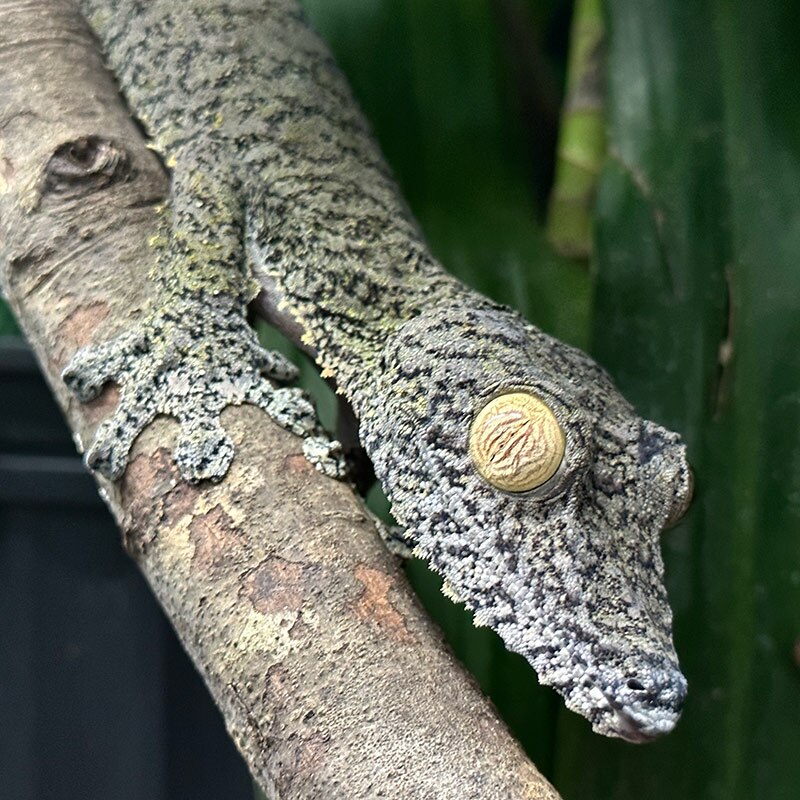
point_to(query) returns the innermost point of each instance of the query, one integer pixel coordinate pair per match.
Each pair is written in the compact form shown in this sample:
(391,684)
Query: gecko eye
(516,442)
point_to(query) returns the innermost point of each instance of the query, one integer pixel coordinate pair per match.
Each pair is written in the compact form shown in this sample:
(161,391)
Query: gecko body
(278,186)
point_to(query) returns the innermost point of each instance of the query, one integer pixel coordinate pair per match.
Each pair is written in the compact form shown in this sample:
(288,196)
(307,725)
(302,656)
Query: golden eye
(516,442)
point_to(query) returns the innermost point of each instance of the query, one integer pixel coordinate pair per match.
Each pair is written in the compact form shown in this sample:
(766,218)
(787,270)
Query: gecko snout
(647,705)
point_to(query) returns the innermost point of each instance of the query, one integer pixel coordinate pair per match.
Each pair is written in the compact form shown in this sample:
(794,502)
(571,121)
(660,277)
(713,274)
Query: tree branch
(331,679)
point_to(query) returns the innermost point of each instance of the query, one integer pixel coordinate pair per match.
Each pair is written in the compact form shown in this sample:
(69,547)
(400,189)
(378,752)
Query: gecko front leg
(193,353)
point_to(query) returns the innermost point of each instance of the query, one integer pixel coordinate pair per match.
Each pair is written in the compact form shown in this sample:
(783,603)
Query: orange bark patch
(180,501)
(77,328)
(297,462)
(216,539)
(149,474)
(99,408)
(147,479)
(374,603)
(276,585)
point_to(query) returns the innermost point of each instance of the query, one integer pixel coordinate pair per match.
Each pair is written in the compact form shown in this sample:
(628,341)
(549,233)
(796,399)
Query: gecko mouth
(639,725)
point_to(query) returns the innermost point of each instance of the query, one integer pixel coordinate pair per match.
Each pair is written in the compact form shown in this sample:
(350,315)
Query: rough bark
(331,679)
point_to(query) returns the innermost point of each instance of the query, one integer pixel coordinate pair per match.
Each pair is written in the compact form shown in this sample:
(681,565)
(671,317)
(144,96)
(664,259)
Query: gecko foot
(188,361)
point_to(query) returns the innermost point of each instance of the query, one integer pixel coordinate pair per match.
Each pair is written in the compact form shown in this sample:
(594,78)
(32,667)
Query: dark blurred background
(652,218)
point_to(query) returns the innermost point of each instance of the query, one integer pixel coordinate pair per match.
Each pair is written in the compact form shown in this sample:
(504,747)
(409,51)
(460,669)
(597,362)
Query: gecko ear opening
(516,443)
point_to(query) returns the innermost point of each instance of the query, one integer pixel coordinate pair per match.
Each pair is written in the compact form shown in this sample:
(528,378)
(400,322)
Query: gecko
(512,463)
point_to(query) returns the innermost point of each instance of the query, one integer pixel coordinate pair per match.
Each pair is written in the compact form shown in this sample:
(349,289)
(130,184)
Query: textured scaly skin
(277,184)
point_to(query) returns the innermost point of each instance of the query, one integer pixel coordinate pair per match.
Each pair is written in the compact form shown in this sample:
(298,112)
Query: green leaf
(697,315)
(582,136)
(8,325)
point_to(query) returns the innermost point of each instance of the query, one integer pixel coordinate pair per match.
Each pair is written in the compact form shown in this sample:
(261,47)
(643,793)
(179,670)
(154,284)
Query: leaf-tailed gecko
(512,462)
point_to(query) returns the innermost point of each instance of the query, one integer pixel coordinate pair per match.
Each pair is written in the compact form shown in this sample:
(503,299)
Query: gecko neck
(343,320)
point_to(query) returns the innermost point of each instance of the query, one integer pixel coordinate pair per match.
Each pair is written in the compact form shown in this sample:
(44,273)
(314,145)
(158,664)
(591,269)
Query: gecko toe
(112,443)
(273,365)
(288,406)
(87,372)
(95,365)
(326,455)
(204,452)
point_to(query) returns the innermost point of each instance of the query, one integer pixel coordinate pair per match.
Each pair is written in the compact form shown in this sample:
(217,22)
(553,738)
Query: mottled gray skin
(277,185)
(569,575)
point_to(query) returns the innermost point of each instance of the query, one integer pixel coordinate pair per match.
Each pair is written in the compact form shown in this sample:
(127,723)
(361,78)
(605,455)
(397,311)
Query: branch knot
(86,165)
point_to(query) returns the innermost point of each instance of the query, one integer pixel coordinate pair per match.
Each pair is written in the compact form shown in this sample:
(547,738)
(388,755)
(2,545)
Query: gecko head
(524,477)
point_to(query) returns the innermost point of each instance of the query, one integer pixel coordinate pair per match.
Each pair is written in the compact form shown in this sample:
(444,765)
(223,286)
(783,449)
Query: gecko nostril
(667,689)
